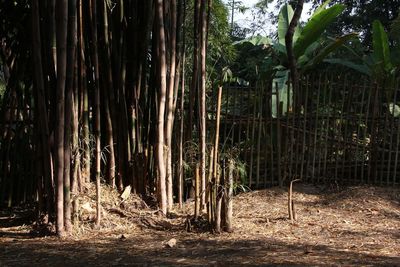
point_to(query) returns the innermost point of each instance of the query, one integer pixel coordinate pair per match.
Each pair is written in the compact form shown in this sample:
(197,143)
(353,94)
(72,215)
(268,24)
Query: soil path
(353,227)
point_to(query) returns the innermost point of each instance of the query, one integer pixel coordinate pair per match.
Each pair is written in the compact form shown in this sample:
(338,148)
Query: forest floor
(350,227)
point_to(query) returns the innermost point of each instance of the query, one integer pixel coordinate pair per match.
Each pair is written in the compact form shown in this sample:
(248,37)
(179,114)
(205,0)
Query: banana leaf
(285,16)
(357,67)
(380,43)
(333,46)
(315,27)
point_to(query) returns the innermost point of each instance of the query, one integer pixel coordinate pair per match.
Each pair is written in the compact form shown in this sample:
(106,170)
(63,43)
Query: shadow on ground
(151,251)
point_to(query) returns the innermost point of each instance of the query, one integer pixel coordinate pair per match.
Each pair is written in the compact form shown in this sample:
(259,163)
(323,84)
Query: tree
(162,193)
(62,29)
(104,104)
(358,14)
(289,45)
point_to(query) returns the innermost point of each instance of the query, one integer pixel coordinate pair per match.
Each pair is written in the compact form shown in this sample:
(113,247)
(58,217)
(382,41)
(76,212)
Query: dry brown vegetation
(353,226)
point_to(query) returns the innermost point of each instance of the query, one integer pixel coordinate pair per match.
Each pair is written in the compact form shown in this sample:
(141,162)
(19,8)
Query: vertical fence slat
(315,151)
(278,136)
(259,114)
(347,114)
(303,141)
(253,124)
(385,132)
(357,138)
(344,131)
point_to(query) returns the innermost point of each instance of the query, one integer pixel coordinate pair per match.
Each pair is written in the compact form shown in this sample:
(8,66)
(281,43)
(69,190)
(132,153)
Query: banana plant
(382,65)
(310,48)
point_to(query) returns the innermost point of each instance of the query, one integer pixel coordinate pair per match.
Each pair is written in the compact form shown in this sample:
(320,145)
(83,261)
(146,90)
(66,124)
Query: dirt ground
(356,226)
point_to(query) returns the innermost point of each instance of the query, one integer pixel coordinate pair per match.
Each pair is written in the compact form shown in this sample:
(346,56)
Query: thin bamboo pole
(330,89)
(345,138)
(209,187)
(234,115)
(246,156)
(296,130)
(287,137)
(278,136)
(391,138)
(215,180)
(358,131)
(303,142)
(339,144)
(385,131)
(272,144)
(372,166)
(229,197)
(397,144)
(365,133)
(181,133)
(197,193)
(259,114)
(267,119)
(316,128)
(228,91)
(310,126)
(252,137)
(240,94)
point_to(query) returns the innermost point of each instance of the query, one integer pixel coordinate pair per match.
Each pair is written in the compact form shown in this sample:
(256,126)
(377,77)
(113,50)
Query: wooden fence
(347,131)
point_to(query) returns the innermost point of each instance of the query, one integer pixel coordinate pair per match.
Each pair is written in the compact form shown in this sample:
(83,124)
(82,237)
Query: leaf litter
(352,226)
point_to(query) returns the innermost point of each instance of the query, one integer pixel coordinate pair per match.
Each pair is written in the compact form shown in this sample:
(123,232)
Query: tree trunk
(289,49)
(61,33)
(182,112)
(170,107)
(71,57)
(85,98)
(40,100)
(203,115)
(194,82)
(229,198)
(97,128)
(162,198)
(109,100)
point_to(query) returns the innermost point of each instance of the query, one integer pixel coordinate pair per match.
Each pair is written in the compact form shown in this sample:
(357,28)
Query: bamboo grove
(96,91)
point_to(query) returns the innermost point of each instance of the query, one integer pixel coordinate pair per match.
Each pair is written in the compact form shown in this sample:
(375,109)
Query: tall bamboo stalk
(181,128)
(170,103)
(162,197)
(71,57)
(62,26)
(39,90)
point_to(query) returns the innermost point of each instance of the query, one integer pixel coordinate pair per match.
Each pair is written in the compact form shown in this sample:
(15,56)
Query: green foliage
(220,50)
(256,41)
(359,15)
(309,46)
(232,154)
(333,46)
(380,64)
(362,68)
(2,90)
(395,29)
(380,44)
(285,17)
(321,8)
(315,27)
